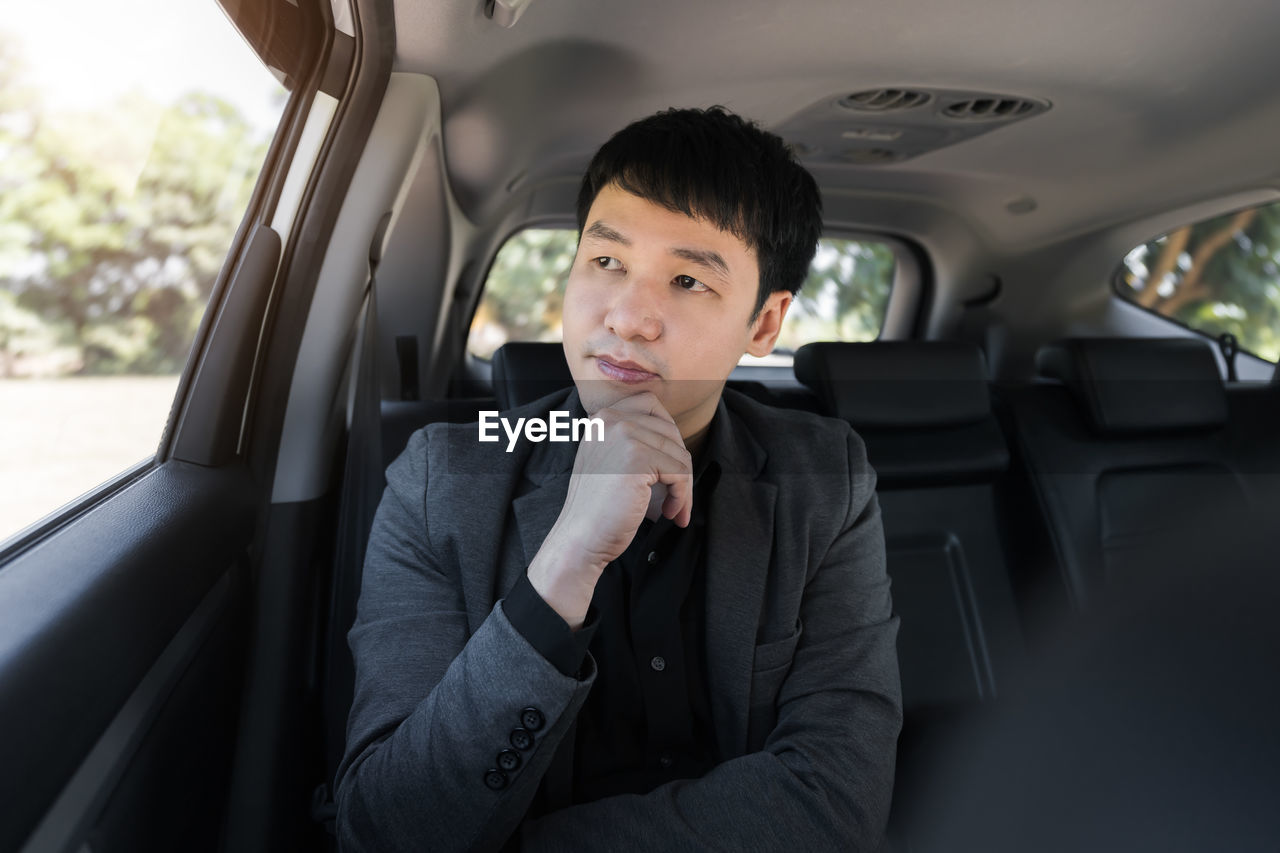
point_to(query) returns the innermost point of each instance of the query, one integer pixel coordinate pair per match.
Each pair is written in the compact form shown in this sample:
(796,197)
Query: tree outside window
(1217,276)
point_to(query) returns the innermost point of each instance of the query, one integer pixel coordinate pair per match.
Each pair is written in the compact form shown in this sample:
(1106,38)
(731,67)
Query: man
(678,637)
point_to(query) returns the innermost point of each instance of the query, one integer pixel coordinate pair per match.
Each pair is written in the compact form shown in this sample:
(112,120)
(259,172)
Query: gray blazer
(800,644)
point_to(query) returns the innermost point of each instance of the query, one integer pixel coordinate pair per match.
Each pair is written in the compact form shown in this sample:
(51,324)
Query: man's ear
(765,329)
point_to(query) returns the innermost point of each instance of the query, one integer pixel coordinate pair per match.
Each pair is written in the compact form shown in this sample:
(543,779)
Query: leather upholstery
(523,371)
(1128,462)
(898,383)
(1129,385)
(924,411)
(922,407)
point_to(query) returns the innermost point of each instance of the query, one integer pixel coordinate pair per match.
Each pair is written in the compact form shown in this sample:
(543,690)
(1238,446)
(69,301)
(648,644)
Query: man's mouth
(622,370)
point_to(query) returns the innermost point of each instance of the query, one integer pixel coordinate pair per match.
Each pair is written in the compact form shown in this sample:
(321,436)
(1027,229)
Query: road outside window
(131,136)
(843,299)
(1217,276)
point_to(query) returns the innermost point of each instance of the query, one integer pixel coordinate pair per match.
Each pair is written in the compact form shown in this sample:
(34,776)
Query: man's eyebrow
(705,258)
(604,232)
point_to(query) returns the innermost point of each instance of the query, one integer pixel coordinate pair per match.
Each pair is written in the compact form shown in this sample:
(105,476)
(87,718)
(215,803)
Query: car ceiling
(1155,104)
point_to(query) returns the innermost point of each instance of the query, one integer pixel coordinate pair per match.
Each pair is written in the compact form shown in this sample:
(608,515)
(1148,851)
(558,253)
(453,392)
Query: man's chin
(597,394)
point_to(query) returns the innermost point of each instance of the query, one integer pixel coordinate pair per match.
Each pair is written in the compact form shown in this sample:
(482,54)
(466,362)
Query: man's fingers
(657,446)
(673,473)
(679,502)
(624,421)
(682,514)
(662,441)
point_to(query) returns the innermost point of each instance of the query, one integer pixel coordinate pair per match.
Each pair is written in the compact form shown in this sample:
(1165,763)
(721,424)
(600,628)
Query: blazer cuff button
(521,739)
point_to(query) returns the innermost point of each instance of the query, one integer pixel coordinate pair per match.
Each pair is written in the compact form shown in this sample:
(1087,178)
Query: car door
(128,616)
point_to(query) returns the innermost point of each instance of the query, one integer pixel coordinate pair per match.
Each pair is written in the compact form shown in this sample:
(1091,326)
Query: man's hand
(610,490)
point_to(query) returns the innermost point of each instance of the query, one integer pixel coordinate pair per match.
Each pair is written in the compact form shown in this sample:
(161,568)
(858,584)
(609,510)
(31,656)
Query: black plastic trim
(209,428)
(87,613)
(262,203)
(29,536)
(318,214)
(66,825)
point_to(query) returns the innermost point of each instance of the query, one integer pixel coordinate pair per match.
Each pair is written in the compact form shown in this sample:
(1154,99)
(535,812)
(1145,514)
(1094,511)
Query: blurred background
(131,135)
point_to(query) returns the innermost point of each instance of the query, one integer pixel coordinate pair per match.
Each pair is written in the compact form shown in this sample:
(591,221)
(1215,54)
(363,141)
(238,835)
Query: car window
(1218,276)
(126,165)
(843,299)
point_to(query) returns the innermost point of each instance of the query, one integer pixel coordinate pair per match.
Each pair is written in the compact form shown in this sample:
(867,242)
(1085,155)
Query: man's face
(667,296)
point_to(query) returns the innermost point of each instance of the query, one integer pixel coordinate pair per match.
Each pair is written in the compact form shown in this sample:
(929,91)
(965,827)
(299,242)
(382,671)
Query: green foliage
(844,297)
(1220,275)
(23,335)
(114,223)
(524,293)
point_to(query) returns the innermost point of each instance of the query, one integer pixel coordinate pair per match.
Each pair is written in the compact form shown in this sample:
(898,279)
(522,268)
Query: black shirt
(647,720)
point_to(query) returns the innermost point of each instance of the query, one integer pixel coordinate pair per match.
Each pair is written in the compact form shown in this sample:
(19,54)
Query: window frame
(1121,291)
(904,308)
(315,58)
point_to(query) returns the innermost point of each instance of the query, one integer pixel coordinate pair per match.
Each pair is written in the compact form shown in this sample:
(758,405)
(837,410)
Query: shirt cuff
(546,630)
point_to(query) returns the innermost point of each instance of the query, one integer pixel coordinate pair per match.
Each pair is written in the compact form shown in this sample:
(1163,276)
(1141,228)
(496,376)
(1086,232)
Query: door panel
(86,616)
(128,622)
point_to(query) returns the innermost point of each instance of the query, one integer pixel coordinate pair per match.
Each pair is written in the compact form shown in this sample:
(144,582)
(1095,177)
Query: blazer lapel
(739,550)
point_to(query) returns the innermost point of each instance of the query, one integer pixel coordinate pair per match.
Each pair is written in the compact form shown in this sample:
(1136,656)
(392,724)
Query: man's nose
(636,310)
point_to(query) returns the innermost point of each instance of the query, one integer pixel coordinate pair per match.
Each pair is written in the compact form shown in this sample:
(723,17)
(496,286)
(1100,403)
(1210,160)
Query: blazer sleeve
(824,778)
(434,705)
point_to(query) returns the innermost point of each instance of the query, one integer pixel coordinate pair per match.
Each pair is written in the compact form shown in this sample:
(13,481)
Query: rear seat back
(1128,457)
(523,371)
(924,411)
(1253,419)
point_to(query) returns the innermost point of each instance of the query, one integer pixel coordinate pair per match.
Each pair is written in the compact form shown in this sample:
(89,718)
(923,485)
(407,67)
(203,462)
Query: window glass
(1220,275)
(128,153)
(844,297)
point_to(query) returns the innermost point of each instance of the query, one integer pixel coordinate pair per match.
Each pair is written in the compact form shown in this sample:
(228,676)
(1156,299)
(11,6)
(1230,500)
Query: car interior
(173,663)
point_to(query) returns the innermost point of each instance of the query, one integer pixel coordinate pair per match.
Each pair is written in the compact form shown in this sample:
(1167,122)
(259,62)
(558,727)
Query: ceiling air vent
(990,109)
(885,100)
(876,127)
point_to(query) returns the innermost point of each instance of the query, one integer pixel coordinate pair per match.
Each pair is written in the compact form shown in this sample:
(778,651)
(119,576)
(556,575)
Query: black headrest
(922,407)
(1133,385)
(898,383)
(526,370)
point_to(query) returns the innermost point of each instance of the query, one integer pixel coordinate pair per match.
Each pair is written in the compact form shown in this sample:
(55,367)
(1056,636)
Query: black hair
(718,167)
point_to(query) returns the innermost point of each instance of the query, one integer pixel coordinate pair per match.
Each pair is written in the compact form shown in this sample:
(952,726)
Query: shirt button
(495,779)
(521,739)
(532,719)
(509,759)
(653,557)
(666,761)
(658,663)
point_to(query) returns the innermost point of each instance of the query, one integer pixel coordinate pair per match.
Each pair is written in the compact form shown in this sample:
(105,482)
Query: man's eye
(608,263)
(691,284)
